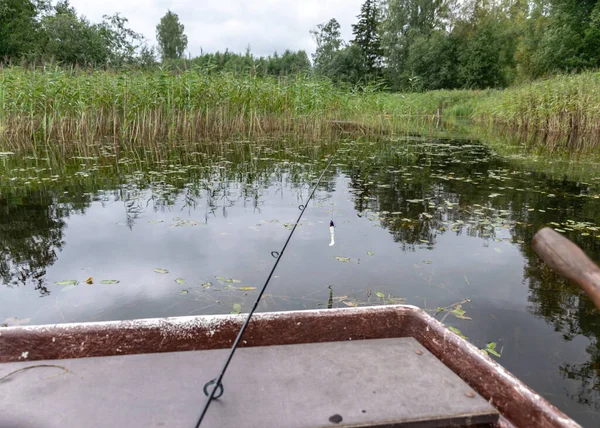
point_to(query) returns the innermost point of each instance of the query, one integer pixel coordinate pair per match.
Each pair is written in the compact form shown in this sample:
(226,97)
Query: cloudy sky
(265,25)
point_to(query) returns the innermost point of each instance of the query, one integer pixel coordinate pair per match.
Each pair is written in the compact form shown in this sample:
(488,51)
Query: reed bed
(563,111)
(71,106)
(58,106)
(44,105)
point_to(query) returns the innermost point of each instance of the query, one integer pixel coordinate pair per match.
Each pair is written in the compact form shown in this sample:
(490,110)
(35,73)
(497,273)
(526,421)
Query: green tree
(329,42)
(431,62)
(485,47)
(366,36)
(348,66)
(19,28)
(560,36)
(70,39)
(403,21)
(121,41)
(172,42)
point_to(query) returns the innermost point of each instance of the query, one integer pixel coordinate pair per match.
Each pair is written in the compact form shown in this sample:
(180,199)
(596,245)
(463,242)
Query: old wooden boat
(372,366)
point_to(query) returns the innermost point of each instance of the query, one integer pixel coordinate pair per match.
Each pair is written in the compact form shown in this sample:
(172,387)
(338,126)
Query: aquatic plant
(80,106)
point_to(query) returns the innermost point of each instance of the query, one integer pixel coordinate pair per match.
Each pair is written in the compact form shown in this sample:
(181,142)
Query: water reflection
(31,235)
(428,222)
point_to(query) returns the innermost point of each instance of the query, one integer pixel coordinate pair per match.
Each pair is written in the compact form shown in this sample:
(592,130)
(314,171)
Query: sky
(266,25)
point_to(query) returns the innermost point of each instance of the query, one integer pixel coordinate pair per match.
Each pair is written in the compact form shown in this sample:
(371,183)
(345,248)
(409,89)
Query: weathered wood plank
(381,382)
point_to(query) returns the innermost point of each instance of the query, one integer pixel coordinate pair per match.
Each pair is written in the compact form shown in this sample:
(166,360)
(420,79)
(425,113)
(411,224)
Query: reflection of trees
(385,177)
(34,202)
(31,232)
(448,182)
(423,191)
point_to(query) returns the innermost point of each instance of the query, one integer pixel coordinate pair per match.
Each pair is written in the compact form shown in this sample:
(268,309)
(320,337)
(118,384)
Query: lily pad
(155,221)
(370,253)
(109,281)
(159,270)
(206,285)
(67,282)
(220,278)
(380,294)
(247,288)
(342,259)
(180,281)
(184,292)
(237,308)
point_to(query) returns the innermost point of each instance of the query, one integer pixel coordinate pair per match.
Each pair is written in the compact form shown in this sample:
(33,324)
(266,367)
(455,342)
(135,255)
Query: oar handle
(569,260)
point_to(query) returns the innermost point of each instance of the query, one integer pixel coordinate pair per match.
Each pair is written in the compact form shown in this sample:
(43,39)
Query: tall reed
(54,104)
(564,110)
(81,106)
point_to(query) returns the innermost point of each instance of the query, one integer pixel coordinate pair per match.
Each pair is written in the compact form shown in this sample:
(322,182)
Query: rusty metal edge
(518,404)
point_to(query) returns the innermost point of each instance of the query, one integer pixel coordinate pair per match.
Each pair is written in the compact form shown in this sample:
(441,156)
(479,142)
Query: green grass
(75,106)
(58,106)
(563,110)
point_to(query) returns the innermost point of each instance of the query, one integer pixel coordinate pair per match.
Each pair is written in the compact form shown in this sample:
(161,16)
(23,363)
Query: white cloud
(265,25)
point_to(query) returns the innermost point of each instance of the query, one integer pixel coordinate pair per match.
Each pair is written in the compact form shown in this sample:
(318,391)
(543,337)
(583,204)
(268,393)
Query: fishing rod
(218,386)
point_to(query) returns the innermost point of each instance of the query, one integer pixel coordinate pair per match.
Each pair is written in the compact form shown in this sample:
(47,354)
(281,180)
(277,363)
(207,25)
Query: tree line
(400,44)
(38,32)
(447,44)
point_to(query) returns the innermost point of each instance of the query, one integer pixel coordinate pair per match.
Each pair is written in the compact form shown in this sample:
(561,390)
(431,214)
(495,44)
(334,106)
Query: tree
(73,40)
(485,48)
(121,41)
(329,41)
(172,42)
(559,36)
(431,62)
(366,36)
(19,29)
(348,66)
(403,21)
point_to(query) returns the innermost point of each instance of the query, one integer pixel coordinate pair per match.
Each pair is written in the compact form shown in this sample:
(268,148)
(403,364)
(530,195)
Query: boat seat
(365,383)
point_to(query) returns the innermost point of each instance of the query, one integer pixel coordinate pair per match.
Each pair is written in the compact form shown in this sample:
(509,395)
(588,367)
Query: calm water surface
(189,230)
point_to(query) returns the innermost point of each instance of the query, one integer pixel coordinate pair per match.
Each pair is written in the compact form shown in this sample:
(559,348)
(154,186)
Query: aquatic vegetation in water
(67,282)
(490,348)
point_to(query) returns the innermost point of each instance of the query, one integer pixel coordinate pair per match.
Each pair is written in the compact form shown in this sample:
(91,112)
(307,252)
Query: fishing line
(218,386)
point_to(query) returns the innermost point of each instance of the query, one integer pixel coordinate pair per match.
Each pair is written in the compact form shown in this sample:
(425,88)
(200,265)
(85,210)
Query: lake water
(188,230)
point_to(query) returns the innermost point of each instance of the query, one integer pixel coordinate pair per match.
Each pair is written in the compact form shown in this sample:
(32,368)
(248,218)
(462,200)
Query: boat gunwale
(517,403)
